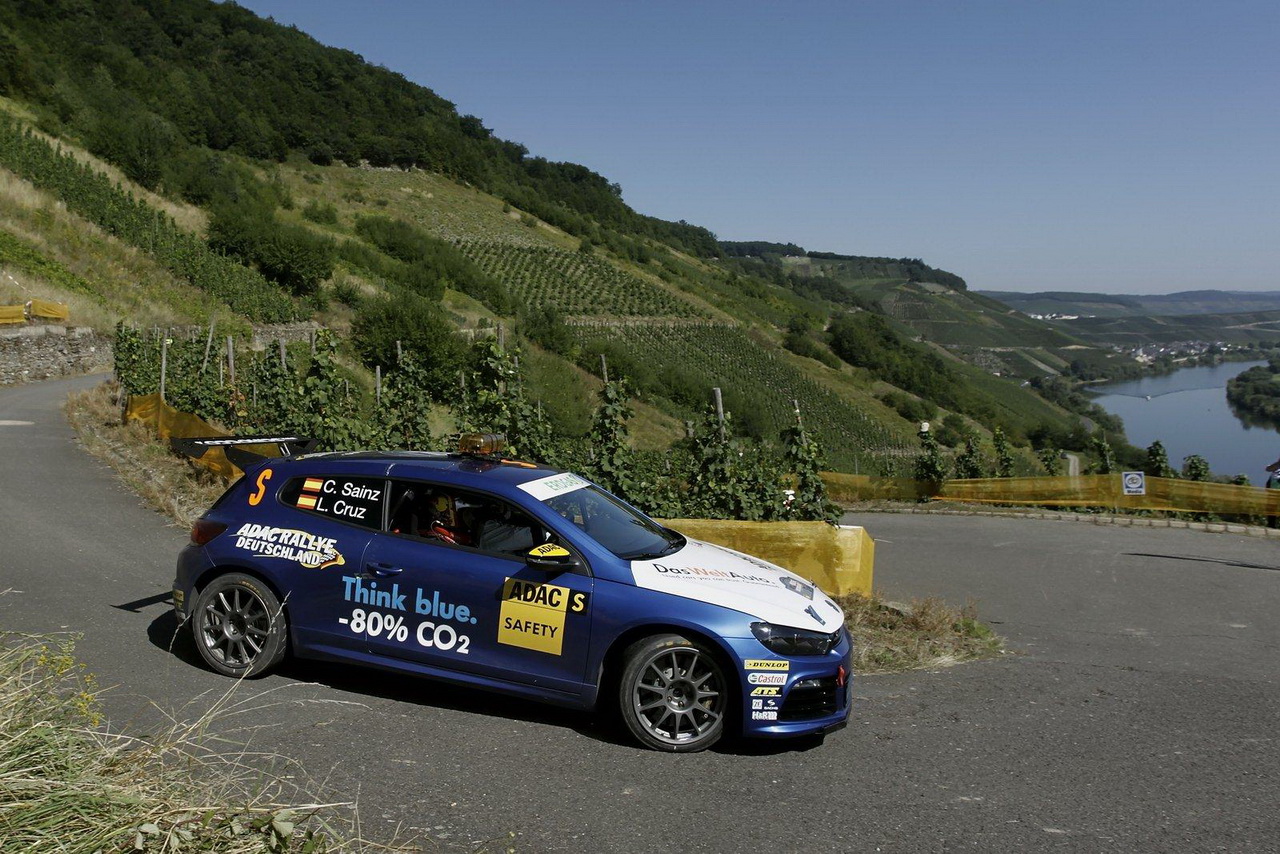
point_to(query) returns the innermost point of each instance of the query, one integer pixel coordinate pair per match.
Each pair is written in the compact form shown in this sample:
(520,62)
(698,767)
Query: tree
(1157,463)
(1195,467)
(930,465)
(1004,456)
(970,463)
(1102,450)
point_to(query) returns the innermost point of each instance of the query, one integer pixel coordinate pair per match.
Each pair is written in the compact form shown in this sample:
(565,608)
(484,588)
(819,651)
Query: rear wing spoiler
(243,458)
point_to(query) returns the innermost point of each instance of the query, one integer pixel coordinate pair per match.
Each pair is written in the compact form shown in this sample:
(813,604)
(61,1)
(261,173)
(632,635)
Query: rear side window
(355,500)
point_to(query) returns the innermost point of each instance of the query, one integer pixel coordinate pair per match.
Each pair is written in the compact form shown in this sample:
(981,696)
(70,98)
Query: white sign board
(1135,483)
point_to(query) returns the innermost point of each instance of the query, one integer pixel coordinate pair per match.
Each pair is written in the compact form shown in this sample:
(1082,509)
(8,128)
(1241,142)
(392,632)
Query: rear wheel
(239,626)
(672,694)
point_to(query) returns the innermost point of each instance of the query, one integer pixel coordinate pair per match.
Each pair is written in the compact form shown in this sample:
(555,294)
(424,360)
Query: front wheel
(239,626)
(672,694)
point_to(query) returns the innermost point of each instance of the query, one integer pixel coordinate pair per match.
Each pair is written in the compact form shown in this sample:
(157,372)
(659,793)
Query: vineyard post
(164,363)
(719,410)
(377,384)
(283,365)
(399,352)
(208,346)
(799,420)
(313,343)
(604,369)
(231,359)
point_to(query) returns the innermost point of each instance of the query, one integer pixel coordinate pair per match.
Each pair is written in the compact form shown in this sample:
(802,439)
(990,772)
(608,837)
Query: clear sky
(1025,145)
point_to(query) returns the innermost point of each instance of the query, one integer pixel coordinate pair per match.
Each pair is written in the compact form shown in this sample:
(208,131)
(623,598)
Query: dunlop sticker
(533,615)
(765,664)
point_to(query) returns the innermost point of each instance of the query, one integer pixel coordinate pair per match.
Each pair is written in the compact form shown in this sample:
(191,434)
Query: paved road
(1140,712)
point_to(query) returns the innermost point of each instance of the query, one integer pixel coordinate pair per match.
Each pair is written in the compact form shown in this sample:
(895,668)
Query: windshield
(614,525)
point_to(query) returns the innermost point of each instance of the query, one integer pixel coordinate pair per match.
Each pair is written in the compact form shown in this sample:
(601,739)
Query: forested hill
(849,267)
(138,79)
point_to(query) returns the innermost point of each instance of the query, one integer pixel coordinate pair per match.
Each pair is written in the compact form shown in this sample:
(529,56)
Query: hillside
(254,220)
(1136,305)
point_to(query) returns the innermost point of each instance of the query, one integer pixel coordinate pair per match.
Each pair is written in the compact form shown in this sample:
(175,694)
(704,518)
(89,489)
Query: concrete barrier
(839,560)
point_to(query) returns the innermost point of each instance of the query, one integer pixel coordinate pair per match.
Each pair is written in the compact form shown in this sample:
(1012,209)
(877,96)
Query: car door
(321,525)
(462,597)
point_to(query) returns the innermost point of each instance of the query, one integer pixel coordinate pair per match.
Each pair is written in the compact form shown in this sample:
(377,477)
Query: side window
(461,518)
(356,500)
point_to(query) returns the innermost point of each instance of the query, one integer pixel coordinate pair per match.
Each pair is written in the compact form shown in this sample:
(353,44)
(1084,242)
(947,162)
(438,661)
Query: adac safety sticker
(307,549)
(766,664)
(533,615)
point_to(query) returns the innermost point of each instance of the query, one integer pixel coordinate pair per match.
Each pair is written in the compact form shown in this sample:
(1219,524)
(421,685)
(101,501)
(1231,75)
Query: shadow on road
(164,632)
(1218,560)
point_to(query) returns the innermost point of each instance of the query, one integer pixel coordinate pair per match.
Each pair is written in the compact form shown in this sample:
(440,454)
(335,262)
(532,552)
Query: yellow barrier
(839,560)
(13,314)
(50,310)
(1097,490)
(168,422)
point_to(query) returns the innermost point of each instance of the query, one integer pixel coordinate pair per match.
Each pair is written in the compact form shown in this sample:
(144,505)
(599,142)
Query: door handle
(383,570)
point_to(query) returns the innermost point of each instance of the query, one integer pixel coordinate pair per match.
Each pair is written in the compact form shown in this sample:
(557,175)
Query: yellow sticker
(532,615)
(765,691)
(765,664)
(549,550)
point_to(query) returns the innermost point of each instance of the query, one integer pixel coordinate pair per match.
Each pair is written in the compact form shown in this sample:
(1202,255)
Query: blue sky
(1090,146)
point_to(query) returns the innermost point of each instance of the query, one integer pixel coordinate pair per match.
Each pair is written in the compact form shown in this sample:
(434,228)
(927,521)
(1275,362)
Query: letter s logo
(256,497)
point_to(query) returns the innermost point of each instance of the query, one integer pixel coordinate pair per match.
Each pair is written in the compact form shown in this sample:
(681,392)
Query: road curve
(1140,712)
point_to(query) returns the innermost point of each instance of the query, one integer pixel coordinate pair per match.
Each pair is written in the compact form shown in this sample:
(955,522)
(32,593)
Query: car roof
(456,468)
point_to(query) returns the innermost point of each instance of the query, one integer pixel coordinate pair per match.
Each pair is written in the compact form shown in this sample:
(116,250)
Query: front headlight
(785,640)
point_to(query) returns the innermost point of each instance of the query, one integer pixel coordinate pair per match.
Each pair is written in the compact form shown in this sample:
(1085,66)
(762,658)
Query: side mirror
(551,557)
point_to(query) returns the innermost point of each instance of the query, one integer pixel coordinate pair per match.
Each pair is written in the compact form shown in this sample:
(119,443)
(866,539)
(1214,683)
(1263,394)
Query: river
(1187,410)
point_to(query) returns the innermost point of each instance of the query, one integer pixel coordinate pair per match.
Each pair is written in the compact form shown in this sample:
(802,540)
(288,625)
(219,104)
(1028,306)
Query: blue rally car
(510,577)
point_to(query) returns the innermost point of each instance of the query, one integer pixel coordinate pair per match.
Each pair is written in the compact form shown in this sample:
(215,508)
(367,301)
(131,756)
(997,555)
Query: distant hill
(1133,305)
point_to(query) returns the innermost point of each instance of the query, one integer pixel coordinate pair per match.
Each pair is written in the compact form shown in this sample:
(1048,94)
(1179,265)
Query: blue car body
(363,580)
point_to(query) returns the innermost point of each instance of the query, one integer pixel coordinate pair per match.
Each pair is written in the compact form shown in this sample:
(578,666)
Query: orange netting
(50,310)
(13,314)
(169,423)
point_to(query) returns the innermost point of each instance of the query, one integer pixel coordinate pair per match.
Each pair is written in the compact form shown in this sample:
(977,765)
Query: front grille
(810,698)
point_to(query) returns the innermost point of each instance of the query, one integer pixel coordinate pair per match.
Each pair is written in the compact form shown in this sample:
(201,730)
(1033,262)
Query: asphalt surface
(1138,713)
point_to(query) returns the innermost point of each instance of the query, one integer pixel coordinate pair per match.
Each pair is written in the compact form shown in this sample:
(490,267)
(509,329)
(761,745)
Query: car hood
(721,576)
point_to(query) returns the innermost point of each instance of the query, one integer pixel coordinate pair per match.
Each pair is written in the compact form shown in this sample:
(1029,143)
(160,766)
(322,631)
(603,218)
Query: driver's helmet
(448,519)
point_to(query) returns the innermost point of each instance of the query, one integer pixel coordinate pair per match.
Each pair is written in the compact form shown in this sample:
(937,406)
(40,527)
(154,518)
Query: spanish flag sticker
(307,502)
(548,550)
(313,484)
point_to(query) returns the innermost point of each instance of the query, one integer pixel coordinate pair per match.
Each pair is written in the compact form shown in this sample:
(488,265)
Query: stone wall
(33,353)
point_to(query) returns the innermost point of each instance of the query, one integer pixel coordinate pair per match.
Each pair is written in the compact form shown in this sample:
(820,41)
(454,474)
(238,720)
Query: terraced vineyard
(574,283)
(726,356)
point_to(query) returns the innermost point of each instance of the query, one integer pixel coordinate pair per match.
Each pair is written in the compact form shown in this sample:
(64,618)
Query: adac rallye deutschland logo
(307,549)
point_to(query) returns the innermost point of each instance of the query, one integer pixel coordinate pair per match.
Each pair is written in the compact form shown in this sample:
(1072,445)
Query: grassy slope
(105,281)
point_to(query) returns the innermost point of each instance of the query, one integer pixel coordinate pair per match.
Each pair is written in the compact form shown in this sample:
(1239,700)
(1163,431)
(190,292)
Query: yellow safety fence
(168,423)
(839,560)
(1096,490)
(43,309)
(50,310)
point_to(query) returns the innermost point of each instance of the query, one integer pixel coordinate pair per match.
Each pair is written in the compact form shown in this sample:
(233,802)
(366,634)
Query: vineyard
(574,283)
(759,386)
(93,196)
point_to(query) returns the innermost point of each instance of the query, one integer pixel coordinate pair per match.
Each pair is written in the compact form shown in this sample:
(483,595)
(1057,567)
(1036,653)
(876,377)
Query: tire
(673,694)
(239,626)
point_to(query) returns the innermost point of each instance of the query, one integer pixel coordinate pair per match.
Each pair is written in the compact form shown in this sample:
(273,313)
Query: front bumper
(790,697)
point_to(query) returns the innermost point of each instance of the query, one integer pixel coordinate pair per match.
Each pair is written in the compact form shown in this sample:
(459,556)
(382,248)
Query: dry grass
(891,637)
(69,783)
(173,486)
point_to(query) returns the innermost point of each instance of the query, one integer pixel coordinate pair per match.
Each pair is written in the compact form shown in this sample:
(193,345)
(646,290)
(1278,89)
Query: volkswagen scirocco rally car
(510,577)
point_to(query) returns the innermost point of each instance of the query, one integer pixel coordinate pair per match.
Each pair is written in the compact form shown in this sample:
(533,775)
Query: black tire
(673,694)
(239,626)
